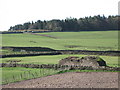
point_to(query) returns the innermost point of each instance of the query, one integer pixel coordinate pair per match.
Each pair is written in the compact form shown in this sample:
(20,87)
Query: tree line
(95,23)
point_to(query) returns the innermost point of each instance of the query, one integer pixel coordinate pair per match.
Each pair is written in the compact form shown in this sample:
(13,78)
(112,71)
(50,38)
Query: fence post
(6,80)
(36,74)
(14,78)
(33,75)
(21,75)
(29,74)
(24,75)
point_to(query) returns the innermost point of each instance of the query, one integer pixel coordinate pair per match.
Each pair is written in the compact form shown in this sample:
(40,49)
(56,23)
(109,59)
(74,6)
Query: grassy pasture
(14,74)
(54,59)
(94,40)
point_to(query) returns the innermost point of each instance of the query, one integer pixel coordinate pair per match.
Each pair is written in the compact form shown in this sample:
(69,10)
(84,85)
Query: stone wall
(59,67)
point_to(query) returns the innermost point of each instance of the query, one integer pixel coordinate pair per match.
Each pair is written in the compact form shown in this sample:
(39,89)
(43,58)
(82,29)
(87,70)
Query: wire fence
(26,75)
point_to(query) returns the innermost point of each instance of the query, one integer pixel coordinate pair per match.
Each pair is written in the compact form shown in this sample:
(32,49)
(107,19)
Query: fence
(26,75)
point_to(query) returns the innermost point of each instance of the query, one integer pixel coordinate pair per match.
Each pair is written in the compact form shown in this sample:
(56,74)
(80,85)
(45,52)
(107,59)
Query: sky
(13,12)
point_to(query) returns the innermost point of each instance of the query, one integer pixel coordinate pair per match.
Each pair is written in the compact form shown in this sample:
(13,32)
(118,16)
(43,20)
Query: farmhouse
(93,61)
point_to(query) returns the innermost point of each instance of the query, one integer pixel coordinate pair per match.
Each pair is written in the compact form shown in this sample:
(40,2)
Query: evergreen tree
(95,23)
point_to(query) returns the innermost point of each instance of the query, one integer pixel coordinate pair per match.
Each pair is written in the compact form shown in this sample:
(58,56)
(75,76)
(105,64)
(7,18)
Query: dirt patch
(71,80)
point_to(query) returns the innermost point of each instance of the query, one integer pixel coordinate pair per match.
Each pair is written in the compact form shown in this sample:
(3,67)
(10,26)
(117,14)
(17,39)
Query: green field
(11,74)
(94,40)
(54,59)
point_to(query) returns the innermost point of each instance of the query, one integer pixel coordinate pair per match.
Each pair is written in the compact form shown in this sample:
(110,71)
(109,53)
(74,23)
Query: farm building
(84,61)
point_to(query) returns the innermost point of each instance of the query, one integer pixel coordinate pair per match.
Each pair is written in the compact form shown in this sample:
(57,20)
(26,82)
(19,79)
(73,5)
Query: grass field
(97,40)
(14,74)
(94,40)
(54,59)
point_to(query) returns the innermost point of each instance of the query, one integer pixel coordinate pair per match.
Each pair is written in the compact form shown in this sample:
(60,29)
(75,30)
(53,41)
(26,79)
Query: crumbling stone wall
(93,61)
(60,67)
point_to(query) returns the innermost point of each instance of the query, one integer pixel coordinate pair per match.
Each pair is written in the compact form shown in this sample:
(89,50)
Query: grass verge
(15,74)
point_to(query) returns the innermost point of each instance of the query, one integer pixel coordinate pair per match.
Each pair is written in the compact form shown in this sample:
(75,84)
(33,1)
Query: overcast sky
(14,12)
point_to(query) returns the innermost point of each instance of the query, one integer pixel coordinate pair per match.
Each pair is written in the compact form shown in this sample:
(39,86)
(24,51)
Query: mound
(93,61)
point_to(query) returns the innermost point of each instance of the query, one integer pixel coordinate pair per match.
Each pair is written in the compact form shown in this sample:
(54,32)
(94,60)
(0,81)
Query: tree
(95,23)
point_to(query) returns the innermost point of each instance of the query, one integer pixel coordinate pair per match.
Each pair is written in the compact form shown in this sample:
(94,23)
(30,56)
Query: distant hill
(95,23)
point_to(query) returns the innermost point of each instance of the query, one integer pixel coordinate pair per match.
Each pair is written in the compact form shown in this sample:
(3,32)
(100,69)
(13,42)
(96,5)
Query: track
(44,35)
